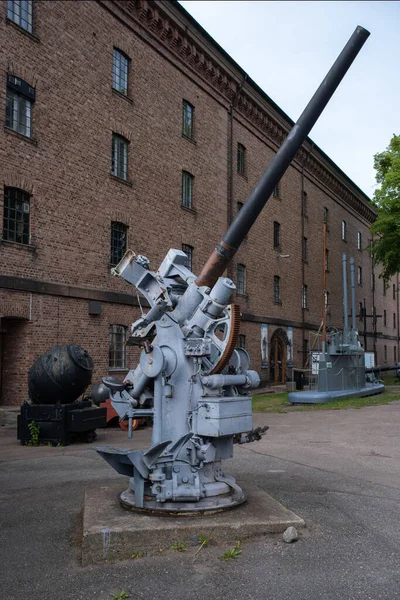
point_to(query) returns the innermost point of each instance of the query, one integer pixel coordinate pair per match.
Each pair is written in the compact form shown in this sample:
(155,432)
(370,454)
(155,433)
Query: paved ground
(339,470)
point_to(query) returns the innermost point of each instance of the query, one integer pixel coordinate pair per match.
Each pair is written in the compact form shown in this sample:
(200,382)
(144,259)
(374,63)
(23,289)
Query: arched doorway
(278,356)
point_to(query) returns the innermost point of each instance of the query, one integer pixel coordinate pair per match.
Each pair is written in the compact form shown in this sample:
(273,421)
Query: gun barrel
(244,220)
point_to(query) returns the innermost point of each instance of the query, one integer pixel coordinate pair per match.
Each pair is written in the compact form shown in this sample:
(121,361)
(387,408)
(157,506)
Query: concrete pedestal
(111,532)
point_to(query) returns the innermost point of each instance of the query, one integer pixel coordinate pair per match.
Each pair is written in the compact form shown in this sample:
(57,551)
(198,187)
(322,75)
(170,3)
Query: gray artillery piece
(191,377)
(195,411)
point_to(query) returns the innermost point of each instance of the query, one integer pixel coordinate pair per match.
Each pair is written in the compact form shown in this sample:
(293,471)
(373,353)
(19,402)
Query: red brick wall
(66,169)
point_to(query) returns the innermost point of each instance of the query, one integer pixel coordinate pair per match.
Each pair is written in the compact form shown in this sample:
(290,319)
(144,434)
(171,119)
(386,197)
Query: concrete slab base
(110,532)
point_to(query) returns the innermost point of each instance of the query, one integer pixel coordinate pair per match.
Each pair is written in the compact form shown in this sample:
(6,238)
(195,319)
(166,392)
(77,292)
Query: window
(372,281)
(20,97)
(304,204)
(359,242)
(239,206)
(241,156)
(118,242)
(327,305)
(304,250)
(188,250)
(359,275)
(16,216)
(277,289)
(394,292)
(242,341)
(395,354)
(117,352)
(119,165)
(394,320)
(275,193)
(241,279)
(277,236)
(384,286)
(384,318)
(187,189)
(187,120)
(304,297)
(344,231)
(385,353)
(326,259)
(360,311)
(21,12)
(326,215)
(120,72)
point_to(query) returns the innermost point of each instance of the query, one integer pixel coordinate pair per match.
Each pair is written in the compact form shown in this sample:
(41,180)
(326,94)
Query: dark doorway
(278,356)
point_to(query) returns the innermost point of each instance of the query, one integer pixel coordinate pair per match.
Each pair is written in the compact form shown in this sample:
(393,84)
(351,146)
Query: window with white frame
(241,279)
(344,230)
(359,241)
(21,13)
(304,297)
(119,163)
(16,216)
(19,101)
(120,72)
(117,349)
(359,275)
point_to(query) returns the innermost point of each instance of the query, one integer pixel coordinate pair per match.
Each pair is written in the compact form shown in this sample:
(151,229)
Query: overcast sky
(287,49)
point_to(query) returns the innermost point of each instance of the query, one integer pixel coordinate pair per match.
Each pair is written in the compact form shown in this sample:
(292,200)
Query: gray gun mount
(196,410)
(191,378)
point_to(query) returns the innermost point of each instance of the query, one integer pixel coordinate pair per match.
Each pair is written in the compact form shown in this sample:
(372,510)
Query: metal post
(353,295)
(345,304)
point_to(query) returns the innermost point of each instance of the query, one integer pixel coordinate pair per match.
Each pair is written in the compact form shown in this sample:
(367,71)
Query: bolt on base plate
(211,505)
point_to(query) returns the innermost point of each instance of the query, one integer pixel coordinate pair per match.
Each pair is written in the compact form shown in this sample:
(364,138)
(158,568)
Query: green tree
(385,248)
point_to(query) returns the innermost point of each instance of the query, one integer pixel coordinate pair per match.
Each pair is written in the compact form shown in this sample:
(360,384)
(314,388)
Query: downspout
(303,333)
(230,213)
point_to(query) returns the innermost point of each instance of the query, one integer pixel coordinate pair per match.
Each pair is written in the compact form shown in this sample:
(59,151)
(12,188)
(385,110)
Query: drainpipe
(230,212)
(303,332)
(353,299)
(345,304)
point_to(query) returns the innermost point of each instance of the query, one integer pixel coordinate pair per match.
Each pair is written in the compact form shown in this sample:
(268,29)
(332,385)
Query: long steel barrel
(244,220)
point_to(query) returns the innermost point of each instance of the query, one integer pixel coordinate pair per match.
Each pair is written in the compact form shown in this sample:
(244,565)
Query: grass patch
(271,402)
(390,379)
(278,403)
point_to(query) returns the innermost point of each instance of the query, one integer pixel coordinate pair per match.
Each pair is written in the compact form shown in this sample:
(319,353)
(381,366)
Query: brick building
(126,125)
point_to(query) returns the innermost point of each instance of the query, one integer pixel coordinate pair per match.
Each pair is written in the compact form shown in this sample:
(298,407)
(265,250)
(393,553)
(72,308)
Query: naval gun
(191,378)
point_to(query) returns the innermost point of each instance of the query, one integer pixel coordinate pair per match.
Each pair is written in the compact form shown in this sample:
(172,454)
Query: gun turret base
(204,506)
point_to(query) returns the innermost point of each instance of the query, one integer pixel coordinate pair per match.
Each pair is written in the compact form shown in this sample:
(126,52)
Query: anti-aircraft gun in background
(191,378)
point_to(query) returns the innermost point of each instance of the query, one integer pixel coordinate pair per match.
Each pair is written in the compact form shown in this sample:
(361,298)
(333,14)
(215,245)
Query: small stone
(290,535)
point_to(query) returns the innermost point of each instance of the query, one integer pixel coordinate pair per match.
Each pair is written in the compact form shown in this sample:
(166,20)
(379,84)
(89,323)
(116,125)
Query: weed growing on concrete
(232,552)
(204,540)
(121,596)
(179,546)
(137,554)
(34,431)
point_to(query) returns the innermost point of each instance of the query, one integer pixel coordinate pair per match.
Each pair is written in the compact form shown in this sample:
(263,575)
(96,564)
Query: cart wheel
(125,424)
